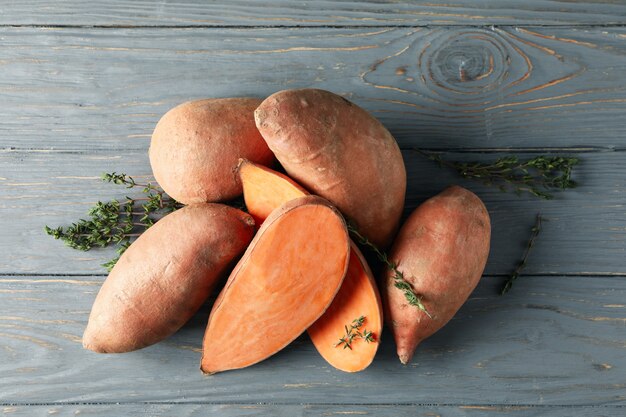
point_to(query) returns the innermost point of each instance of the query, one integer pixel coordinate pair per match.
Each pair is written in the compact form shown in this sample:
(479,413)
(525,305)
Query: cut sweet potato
(285,281)
(357,298)
(264,190)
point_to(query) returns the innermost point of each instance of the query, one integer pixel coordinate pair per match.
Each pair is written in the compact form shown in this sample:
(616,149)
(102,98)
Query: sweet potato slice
(285,281)
(357,298)
(442,250)
(264,190)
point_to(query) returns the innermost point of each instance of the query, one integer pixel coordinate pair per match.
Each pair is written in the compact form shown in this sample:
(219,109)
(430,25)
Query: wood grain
(290,12)
(550,341)
(94,89)
(584,231)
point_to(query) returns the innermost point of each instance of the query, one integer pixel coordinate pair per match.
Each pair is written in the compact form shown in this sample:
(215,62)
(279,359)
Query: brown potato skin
(196,147)
(337,150)
(442,250)
(165,275)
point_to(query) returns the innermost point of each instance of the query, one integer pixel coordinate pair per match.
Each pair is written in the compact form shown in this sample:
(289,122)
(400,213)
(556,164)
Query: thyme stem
(399,281)
(536,176)
(116,222)
(353,331)
(522,264)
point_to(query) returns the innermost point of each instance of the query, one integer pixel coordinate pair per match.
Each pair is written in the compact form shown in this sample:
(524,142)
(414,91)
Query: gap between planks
(407,404)
(255,27)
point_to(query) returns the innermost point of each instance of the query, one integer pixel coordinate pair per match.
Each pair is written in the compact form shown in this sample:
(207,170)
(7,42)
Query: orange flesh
(264,190)
(357,297)
(285,281)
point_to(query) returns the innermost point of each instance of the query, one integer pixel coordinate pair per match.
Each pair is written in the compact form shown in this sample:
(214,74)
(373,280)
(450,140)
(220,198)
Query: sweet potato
(264,190)
(165,275)
(357,298)
(441,249)
(338,151)
(196,146)
(285,281)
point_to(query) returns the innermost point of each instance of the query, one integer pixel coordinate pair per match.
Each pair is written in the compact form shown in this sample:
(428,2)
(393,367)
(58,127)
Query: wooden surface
(83,84)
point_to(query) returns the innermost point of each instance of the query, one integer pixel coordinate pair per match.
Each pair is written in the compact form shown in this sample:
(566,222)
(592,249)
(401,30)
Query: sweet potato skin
(441,249)
(196,146)
(337,150)
(276,291)
(165,275)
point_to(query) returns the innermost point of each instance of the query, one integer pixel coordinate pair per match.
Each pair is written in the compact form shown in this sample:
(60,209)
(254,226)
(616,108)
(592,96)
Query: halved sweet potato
(357,298)
(264,190)
(285,281)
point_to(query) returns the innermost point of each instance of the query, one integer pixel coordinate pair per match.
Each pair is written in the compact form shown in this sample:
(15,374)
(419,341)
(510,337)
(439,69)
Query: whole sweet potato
(337,150)
(165,275)
(196,147)
(442,250)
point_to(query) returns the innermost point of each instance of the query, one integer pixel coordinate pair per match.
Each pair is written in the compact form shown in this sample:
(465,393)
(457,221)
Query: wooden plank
(550,341)
(584,231)
(290,12)
(227,410)
(91,88)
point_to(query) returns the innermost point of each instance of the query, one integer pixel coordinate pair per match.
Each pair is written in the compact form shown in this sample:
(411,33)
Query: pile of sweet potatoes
(290,261)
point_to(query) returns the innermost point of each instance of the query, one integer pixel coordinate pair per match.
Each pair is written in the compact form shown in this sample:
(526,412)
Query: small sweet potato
(337,150)
(285,281)
(196,146)
(264,190)
(442,250)
(165,275)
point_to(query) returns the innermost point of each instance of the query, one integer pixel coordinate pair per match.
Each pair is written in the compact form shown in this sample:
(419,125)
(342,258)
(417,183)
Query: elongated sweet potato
(285,281)
(264,190)
(338,151)
(165,275)
(196,146)
(358,298)
(442,250)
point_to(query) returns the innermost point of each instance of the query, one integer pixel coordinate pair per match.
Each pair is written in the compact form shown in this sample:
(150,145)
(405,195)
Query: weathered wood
(90,88)
(550,341)
(285,13)
(227,410)
(583,232)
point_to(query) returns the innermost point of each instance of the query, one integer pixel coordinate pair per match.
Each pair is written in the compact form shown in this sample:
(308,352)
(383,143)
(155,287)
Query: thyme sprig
(117,222)
(522,264)
(399,281)
(536,176)
(353,332)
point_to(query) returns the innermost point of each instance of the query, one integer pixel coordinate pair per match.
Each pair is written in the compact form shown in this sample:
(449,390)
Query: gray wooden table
(82,85)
